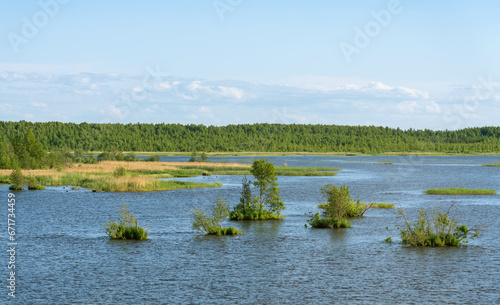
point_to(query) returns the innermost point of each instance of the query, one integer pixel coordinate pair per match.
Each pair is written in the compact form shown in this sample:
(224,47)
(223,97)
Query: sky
(396,63)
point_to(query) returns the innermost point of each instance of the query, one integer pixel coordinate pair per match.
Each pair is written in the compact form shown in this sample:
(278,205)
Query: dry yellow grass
(111,166)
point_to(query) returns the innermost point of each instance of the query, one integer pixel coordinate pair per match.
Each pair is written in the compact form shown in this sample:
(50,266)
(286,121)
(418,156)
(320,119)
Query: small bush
(120,172)
(128,228)
(316,221)
(437,230)
(36,187)
(212,224)
(16,187)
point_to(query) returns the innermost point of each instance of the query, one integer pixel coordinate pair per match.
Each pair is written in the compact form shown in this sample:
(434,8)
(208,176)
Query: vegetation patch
(338,207)
(373,205)
(388,163)
(128,228)
(252,207)
(435,230)
(316,221)
(460,191)
(212,224)
(36,187)
(496,164)
(254,214)
(16,187)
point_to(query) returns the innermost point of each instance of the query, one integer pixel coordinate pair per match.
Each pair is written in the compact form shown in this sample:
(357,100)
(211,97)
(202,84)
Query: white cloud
(40,105)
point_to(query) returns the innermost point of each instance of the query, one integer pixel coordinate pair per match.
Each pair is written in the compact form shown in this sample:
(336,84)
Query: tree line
(251,138)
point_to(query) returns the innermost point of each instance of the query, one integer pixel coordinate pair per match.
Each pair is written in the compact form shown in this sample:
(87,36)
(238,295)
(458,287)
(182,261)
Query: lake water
(64,256)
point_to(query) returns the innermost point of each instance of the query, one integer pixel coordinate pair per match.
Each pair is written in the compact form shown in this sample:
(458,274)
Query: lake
(64,256)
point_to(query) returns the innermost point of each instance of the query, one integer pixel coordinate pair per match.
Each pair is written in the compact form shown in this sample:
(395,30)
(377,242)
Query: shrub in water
(128,228)
(339,206)
(212,224)
(437,230)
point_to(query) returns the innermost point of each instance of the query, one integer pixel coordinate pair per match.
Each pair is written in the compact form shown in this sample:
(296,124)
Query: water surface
(65,257)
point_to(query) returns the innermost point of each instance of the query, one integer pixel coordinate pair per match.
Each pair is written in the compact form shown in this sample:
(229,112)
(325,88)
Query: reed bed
(460,191)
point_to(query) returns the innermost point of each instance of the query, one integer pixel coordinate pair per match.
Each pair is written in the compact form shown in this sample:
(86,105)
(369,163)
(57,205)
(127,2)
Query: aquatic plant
(316,221)
(435,230)
(460,191)
(35,187)
(128,228)
(338,207)
(212,224)
(251,207)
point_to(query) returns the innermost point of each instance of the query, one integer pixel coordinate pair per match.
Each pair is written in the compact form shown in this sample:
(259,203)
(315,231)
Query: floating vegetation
(388,163)
(460,191)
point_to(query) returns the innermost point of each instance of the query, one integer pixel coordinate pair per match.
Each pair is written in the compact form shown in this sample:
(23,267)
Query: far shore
(260,154)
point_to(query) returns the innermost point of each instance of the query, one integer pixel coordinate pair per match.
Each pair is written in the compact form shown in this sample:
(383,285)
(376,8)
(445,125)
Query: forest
(247,138)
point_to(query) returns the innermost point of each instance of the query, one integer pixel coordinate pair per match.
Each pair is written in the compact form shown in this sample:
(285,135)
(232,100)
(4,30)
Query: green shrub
(340,204)
(316,221)
(212,224)
(128,228)
(254,215)
(16,187)
(36,187)
(437,230)
(120,172)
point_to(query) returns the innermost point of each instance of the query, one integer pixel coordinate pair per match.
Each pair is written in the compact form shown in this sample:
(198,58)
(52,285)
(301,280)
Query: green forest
(243,138)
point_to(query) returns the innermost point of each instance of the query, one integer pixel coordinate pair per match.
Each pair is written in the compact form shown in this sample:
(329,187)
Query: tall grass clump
(460,191)
(435,230)
(212,224)
(128,228)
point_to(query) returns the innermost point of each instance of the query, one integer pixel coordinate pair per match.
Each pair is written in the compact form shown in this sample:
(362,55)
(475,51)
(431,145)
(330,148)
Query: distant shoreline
(237,154)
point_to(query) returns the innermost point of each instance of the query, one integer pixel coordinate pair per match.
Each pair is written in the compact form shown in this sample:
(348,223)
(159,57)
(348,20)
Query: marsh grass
(111,183)
(460,191)
(122,176)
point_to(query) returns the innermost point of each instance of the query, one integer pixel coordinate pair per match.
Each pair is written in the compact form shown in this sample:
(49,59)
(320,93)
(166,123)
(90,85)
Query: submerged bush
(436,230)
(254,215)
(316,221)
(35,187)
(128,228)
(212,224)
(338,207)
(16,187)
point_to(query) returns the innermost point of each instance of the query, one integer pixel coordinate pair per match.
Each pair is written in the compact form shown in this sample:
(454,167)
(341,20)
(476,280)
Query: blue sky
(407,64)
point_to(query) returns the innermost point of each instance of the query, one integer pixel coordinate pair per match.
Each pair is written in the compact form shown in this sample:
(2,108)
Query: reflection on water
(65,256)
